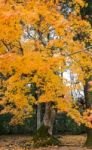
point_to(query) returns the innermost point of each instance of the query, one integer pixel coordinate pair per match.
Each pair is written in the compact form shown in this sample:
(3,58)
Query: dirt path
(23,143)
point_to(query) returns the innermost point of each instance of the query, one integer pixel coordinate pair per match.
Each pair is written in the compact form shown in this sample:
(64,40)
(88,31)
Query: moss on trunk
(42,138)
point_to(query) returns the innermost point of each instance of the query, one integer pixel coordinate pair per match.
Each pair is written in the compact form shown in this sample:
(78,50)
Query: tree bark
(88,101)
(49,117)
(44,136)
(38,116)
(89,138)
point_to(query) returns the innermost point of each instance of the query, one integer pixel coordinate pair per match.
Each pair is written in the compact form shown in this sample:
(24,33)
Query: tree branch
(79,51)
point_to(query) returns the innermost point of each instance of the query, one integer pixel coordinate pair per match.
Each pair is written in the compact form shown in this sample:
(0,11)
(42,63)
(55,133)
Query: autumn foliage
(42,57)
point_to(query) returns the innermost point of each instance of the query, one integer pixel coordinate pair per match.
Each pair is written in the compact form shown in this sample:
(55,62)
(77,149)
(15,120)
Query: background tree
(87,14)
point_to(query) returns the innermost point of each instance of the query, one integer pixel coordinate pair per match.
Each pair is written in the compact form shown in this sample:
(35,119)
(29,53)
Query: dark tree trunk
(88,101)
(89,138)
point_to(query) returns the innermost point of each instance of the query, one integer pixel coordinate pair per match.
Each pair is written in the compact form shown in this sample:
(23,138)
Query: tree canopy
(54,43)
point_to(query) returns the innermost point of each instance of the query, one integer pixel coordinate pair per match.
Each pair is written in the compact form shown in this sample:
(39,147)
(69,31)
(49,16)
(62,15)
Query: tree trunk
(88,101)
(44,135)
(89,138)
(49,118)
(38,116)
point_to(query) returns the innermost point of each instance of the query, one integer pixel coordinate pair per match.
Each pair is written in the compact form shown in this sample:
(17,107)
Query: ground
(70,142)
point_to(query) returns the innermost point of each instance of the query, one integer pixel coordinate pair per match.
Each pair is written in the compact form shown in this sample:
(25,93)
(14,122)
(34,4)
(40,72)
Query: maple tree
(55,43)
